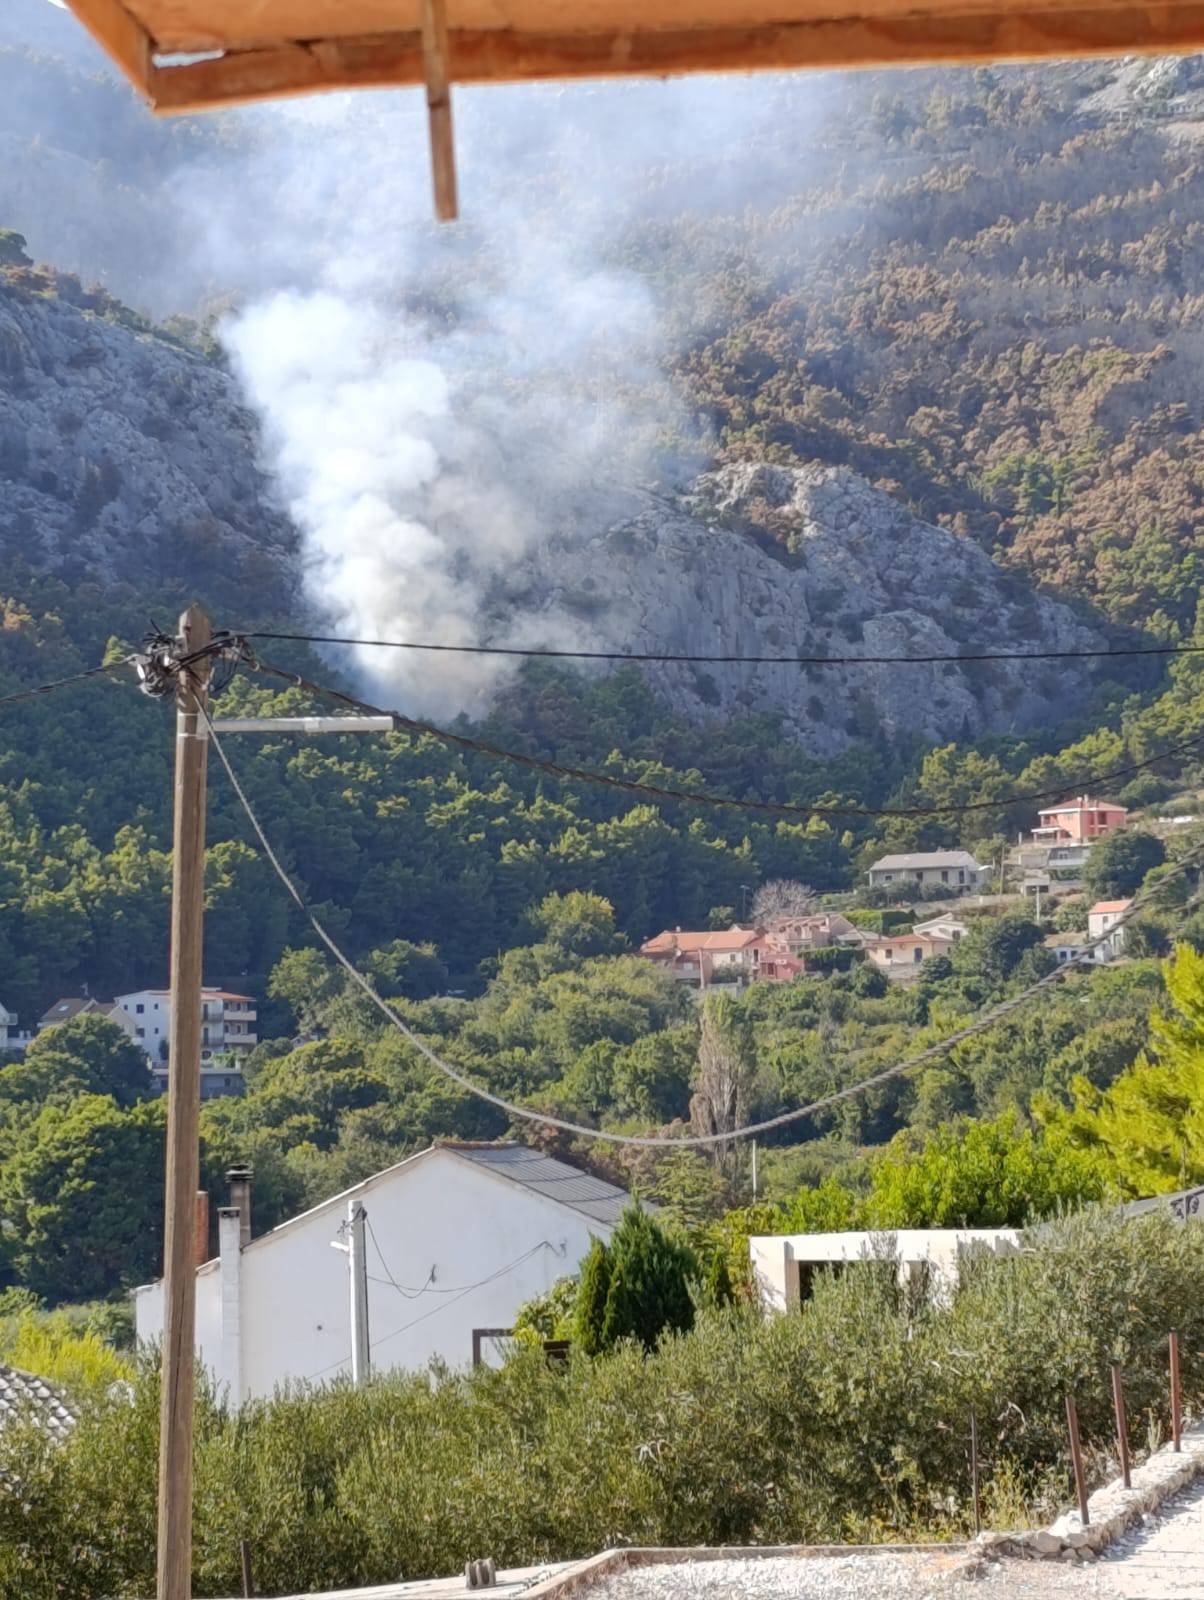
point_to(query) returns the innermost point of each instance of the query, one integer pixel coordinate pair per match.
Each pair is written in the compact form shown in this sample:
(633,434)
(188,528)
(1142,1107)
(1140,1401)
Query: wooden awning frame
(436,56)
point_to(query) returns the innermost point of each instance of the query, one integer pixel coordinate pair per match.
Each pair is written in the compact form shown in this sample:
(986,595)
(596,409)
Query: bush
(713,1437)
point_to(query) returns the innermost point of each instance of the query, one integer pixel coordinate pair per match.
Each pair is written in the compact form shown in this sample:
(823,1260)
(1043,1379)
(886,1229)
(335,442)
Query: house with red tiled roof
(697,957)
(1102,920)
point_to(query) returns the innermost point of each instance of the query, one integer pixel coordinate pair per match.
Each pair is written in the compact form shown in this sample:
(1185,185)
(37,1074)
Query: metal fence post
(974,1483)
(1176,1394)
(1122,1426)
(1076,1459)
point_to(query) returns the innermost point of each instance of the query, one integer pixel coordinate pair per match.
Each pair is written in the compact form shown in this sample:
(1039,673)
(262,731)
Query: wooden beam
(120,36)
(502,56)
(438,105)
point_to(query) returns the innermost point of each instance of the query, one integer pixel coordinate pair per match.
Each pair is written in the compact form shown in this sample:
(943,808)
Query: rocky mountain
(130,461)
(126,459)
(858,575)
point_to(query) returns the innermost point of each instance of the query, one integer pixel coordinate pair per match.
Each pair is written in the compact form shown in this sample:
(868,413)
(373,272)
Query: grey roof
(64,1010)
(555,1180)
(23,1393)
(924,858)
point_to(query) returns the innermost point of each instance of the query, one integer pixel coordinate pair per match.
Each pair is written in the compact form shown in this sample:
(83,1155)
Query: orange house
(1079,821)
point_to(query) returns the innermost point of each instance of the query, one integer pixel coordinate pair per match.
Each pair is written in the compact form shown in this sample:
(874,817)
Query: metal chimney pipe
(200,1228)
(239,1179)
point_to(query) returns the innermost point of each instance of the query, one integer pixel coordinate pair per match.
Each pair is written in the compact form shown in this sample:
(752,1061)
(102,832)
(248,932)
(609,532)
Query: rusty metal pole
(1076,1459)
(1122,1426)
(974,1483)
(1176,1395)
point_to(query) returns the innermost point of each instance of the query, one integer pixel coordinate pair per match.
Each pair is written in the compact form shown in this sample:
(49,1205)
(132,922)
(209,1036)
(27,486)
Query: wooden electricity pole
(174,1567)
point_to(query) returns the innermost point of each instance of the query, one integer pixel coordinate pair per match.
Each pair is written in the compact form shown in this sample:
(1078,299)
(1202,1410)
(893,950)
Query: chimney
(229,1251)
(239,1179)
(200,1228)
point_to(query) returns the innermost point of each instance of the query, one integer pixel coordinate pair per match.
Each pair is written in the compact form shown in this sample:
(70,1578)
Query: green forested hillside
(982,297)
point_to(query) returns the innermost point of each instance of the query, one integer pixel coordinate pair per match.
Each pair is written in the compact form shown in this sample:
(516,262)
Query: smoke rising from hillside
(436,402)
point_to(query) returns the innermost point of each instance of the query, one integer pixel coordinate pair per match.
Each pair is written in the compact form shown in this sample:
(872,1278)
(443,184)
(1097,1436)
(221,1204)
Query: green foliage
(1119,861)
(635,1287)
(980,1175)
(710,1438)
(12,249)
(87,1055)
(1146,1129)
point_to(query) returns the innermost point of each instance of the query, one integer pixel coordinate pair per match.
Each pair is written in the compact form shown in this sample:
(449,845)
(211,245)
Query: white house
(946,927)
(955,870)
(784,1265)
(457,1239)
(1102,920)
(228,1022)
(11,1036)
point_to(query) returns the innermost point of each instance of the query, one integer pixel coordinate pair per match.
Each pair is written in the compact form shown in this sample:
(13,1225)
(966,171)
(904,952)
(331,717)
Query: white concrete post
(357,1261)
(229,1250)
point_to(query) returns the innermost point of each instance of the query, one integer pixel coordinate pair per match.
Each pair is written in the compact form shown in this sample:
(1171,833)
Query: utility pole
(174,1565)
(357,1260)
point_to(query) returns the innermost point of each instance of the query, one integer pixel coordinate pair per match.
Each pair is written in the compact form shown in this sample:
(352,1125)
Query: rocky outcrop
(128,459)
(859,576)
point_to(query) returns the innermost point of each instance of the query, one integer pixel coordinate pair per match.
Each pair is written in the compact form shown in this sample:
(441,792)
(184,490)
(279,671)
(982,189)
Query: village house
(946,927)
(1065,946)
(784,1265)
(459,1237)
(817,931)
(86,1006)
(11,1036)
(699,957)
(955,870)
(1079,821)
(1102,922)
(228,1022)
(902,955)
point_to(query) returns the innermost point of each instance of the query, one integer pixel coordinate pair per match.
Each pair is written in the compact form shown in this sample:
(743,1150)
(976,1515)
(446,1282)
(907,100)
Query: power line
(664,794)
(59,683)
(670,658)
(933,1052)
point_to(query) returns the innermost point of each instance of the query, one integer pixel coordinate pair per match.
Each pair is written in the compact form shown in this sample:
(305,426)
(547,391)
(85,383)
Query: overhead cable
(693,797)
(60,683)
(671,1141)
(671,657)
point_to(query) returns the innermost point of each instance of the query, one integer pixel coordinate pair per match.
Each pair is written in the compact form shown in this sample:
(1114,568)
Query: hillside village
(667,842)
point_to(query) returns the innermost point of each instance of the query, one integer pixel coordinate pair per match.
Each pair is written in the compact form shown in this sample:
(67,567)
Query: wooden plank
(435,58)
(119,35)
(498,56)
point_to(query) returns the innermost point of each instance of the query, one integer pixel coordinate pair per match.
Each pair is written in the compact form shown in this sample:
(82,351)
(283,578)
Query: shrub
(847,1420)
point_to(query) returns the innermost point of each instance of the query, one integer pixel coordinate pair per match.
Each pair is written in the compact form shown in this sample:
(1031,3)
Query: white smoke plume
(445,409)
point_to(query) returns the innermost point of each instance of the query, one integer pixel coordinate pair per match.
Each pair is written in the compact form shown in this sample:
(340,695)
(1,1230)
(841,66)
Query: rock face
(127,459)
(861,577)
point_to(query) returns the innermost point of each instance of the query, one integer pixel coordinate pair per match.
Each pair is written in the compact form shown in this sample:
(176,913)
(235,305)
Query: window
(890,955)
(961,875)
(944,875)
(140,1008)
(919,954)
(141,1033)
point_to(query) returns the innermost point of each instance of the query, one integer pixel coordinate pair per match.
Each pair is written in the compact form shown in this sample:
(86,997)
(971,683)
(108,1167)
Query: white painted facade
(464,1245)
(783,1264)
(228,1023)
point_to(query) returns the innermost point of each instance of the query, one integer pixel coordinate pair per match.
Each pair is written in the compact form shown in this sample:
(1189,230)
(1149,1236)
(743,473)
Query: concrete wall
(776,1258)
(436,1212)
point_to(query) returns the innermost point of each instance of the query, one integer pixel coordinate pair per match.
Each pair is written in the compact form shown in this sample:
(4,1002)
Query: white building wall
(776,1258)
(436,1211)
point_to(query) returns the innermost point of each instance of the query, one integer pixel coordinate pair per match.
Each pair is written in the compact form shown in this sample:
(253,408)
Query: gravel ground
(1162,1560)
(851,1577)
